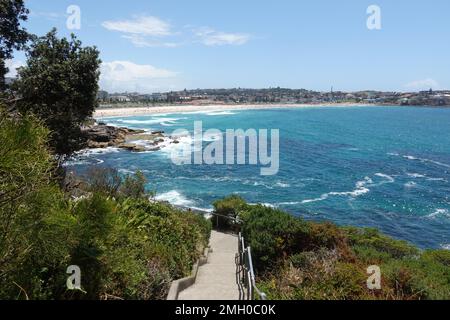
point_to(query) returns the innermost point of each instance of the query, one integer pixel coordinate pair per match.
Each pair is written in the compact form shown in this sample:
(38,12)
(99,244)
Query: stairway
(216,280)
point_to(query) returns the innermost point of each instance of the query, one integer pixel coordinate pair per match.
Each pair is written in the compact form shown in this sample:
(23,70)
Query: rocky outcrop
(132,147)
(100,135)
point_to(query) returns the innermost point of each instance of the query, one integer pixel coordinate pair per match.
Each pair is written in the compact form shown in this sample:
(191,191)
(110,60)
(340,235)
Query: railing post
(247,272)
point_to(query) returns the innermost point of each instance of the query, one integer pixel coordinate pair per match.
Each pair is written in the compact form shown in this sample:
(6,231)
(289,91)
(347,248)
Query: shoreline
(121,111)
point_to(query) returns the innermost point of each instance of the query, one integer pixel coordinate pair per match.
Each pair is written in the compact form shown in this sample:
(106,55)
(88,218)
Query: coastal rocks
(132,147)
(100,135)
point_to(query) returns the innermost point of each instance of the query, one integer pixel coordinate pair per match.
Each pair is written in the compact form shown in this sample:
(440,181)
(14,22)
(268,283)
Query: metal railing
(245,274)
(235,222)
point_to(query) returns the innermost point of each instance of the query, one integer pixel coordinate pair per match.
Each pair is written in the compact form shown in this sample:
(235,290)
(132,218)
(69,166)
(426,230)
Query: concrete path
(216,280)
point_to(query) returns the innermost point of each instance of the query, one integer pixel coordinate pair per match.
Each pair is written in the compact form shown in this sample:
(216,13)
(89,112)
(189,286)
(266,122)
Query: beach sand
(121,111)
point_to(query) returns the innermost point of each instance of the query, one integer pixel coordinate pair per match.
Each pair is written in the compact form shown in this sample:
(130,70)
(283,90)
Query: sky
(155,46)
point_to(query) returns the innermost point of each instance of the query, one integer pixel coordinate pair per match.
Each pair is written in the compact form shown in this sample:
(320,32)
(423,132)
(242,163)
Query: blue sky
(152,46)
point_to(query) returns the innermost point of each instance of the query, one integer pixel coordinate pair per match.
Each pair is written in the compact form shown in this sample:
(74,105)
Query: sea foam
(174,197)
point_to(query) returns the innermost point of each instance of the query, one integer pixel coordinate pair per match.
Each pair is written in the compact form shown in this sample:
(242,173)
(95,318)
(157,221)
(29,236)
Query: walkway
(216,280)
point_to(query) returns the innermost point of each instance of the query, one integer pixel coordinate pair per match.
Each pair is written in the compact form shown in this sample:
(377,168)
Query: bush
(295,259)
(111,183)
(230,207)
(35,224)
(271,234)
(134,186)
(126,247)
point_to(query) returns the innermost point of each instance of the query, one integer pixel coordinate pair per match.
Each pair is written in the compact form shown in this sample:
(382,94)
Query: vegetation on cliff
(125,246)
(297,259)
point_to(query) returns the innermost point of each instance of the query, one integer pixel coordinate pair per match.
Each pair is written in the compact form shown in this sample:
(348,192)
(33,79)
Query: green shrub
(271,234)
(374,239)
(230,207)
(125,246)
(36,228)
(295,259)
(134,186)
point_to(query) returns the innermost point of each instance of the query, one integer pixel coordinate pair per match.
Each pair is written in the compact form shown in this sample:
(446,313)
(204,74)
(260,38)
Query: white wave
(257,184)
(355,193)
(409,157)
(265,204)
(220,113)
(322,197)
(152,121)
(393,154)
(174,197)
(86,156)
(416,175)
(126,171)
(388,178)
(172,149)
(282,185)
(445,246)
(166,124)
(410,184)
(70,163)
(360,189)
(96,151)
(290,203)
(206,210)
(437,179)
(438,213)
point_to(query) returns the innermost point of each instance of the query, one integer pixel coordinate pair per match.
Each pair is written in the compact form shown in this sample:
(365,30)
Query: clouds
(12,65)
(146,26)
(142,42)
(424,84)
(210,37)
(118,76)
(150,31)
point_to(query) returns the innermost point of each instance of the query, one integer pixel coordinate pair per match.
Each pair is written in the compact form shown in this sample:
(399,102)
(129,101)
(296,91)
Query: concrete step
(216,280)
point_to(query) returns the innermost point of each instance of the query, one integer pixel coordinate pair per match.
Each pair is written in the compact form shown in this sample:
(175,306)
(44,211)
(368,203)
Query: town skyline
(279,95)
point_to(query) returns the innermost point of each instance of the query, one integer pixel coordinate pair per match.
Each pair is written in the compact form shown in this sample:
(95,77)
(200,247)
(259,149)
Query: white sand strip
(121,111)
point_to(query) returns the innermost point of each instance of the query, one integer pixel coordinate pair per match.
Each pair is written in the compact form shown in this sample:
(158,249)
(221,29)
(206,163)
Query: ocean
(382,167)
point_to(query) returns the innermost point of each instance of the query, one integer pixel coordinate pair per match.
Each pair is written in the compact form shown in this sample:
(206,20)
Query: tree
(59,84)
(12,35)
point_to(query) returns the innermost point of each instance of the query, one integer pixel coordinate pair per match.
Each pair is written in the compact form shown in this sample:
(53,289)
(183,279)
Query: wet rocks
(100,135)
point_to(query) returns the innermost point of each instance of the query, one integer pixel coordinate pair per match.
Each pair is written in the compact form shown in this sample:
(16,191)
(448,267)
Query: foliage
(228,207)
(111,183)
(12,35)
(103,180)
(134,186)
(34,225)
(59,85)
(296,259)
(126,246)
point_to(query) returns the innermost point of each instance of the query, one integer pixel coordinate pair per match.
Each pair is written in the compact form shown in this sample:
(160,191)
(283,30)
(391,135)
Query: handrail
(234,220)
(246,272)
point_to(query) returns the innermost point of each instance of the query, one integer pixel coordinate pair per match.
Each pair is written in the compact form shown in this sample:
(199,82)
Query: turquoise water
(384,167)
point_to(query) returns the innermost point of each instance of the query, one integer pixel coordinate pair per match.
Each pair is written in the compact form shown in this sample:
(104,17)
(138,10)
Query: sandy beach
(121,111)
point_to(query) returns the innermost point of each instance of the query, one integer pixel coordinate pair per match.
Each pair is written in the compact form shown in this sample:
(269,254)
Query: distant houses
(279,95)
